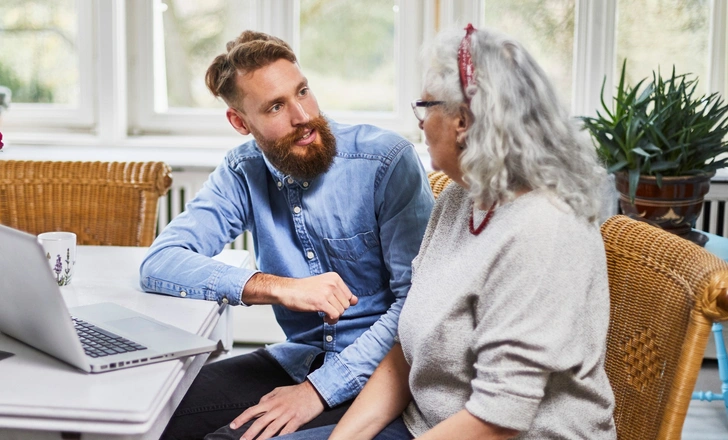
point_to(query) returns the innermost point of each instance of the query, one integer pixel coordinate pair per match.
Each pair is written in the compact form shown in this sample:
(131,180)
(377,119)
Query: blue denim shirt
(364,219)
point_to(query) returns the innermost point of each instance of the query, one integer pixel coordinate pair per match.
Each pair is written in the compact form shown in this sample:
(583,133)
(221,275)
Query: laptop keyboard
(98,342)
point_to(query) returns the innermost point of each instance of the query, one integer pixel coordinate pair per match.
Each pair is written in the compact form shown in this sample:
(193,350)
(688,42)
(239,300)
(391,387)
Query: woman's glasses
(420,108)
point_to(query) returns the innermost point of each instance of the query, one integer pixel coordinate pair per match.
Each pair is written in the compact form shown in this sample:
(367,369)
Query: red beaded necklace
(485,221)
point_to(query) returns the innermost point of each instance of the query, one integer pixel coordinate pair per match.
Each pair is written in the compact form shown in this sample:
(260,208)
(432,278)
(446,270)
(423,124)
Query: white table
(43,398)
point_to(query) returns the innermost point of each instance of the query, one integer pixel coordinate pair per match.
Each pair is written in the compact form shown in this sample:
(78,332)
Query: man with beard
(337,213)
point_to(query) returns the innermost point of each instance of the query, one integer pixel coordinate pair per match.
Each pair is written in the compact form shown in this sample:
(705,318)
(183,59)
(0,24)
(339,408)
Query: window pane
(39,55)
(654,34)
(194,33)
(347,53)
(546,29)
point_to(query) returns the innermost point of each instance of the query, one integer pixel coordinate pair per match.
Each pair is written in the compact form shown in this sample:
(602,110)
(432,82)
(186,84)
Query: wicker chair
(665,292)
(438,181)
(104,203)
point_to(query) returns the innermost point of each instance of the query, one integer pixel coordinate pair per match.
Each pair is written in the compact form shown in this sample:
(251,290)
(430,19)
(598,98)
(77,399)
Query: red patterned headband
(465,62)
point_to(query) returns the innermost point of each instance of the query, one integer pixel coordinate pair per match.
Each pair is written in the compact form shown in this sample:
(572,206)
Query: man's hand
(284,409)
(325,293)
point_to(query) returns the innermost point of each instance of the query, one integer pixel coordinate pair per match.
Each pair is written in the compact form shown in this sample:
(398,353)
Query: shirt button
(290,181)
(280,184)
(183,294)
(297,209)
(329,338)
(305,184)
(225,300)
(309,255)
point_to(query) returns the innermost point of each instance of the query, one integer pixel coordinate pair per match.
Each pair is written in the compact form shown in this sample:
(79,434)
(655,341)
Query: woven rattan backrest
(663,292)
(104,203)
(438,181)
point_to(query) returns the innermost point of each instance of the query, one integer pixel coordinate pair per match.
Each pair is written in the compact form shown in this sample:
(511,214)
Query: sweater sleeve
(536,290)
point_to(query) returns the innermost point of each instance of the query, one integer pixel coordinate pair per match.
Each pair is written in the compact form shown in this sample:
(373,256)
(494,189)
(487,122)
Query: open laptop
(33,311)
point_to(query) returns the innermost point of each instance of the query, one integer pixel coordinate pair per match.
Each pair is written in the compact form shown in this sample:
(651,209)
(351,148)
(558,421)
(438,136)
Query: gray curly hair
(521,137)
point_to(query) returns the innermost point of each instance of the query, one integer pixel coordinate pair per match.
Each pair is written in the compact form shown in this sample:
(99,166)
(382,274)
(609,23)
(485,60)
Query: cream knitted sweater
(510,324)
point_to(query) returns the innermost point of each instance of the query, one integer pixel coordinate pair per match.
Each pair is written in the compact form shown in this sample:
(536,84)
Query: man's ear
(237,121)
(464,121)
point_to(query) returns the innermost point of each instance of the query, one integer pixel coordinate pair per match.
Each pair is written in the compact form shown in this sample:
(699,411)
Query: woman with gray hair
(503,333)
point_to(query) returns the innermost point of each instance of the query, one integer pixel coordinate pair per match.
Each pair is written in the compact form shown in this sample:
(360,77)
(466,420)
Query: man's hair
(247,53)
(521,136)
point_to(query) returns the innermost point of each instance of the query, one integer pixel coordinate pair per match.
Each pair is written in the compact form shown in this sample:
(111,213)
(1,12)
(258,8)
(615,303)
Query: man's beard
(301,162)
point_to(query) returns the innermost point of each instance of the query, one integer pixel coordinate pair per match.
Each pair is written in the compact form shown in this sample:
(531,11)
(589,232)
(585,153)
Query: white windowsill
(179,153)
(183,152)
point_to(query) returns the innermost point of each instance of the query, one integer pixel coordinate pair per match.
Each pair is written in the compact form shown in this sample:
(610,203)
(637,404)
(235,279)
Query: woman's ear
(464,122)
(237,121)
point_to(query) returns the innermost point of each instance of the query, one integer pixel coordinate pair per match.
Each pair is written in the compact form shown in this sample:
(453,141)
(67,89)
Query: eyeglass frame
(419,103)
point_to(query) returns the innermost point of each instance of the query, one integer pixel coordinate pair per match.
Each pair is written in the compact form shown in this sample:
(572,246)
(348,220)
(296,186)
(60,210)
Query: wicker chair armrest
(714,301)
(164,179)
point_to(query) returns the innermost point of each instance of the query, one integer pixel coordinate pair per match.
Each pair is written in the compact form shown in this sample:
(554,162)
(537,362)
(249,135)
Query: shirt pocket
(358,260)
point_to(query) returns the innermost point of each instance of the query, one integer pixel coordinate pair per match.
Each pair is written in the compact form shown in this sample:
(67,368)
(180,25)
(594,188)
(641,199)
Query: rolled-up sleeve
(179,261)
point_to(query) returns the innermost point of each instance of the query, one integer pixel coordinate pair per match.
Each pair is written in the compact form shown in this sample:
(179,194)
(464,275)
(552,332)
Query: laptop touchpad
(137,324)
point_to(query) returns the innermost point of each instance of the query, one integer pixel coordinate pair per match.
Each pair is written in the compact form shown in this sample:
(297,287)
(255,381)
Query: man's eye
(276,108)
(303,92)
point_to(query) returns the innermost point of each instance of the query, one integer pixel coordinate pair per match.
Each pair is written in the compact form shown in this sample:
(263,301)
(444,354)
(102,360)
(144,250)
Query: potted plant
(663,142)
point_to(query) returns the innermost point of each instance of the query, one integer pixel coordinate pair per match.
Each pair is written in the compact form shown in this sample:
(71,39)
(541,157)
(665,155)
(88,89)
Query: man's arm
(179,261)
(325,293)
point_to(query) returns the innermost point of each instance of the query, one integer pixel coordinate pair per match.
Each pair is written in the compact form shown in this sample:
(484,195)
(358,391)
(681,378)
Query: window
(46,62)
(643,28)
(546,30)
(131,73)
(347,52)
(351,51)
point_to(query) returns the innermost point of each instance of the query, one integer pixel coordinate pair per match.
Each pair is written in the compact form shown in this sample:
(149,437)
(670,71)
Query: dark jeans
(394,431)
(224,389)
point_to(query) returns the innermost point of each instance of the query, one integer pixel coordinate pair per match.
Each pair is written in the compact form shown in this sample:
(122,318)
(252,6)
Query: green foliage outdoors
(661,129)
(359,30)
(32,91)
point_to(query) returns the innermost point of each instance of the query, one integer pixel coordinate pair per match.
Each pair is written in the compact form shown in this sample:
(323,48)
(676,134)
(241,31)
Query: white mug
(60,250)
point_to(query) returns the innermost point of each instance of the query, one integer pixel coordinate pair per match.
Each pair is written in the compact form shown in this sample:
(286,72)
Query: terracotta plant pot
(674,207)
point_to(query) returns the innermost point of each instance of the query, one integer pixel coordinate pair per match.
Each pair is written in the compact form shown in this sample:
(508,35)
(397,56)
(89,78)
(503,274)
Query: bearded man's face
(301,161)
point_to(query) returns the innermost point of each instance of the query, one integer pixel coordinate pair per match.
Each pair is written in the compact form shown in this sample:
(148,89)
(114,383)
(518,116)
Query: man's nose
(299,116)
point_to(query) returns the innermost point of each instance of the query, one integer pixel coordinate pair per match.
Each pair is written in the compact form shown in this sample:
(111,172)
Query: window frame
(61,117)
(113,37)
(278,17)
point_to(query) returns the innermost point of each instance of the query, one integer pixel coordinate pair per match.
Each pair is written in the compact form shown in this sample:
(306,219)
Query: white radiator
(186,183)
(714,218)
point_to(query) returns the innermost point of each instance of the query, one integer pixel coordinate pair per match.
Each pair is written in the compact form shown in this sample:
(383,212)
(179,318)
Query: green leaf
(634,178)
(661,127)
(616,167)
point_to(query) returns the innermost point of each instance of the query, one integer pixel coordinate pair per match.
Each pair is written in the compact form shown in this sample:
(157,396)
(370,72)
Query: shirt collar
(283,180)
